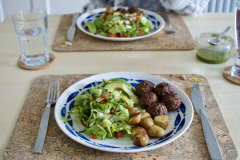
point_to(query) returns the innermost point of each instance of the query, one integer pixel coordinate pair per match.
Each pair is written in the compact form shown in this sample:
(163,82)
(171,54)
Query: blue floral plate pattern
(180,119)
(155,20)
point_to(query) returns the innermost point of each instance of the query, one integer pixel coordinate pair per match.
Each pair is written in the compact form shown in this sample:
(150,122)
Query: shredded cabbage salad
(103,113)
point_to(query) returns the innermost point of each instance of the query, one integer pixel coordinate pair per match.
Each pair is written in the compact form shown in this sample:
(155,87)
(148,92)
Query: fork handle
(42,130)
(165,18)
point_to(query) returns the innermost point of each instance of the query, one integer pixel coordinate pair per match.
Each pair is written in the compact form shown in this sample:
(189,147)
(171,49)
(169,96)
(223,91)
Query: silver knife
(72,29)
(212,144)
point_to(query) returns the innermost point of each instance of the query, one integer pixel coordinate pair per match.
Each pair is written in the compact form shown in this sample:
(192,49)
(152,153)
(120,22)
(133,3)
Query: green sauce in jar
(214,54)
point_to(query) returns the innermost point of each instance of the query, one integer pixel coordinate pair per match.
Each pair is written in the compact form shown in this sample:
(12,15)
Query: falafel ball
(163,88)
(120,10)
(172,101)
(148,98)
(132,9)
(144,86)
(157,109)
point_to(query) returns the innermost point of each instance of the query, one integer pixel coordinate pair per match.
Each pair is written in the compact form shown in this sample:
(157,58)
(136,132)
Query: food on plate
(144,86)
(148,98)
(109,9)
(146,122)
(145,115)
(135,119)
(91,27)
(162,121)
(133,111)
(139,136)
(163,88)
(122,23)
(156,131)
(104,113)
(157,109)
(172,101)
(119,85)
(99,22)
(120,80)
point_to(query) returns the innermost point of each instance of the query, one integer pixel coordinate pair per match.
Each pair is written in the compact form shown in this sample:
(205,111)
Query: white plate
(180,119)
(155,20)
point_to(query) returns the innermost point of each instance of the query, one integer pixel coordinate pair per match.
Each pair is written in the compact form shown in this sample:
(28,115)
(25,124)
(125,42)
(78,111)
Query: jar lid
(226,42)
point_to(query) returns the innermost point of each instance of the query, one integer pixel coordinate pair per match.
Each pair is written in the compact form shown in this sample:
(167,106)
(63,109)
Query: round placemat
(49,63)
(227,76)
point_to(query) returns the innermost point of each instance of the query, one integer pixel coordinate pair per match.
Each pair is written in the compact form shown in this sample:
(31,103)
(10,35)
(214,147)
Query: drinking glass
(31,28)
(235,70)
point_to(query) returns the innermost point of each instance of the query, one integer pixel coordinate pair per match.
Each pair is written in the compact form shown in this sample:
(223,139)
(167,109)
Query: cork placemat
(191,145)
(180,40)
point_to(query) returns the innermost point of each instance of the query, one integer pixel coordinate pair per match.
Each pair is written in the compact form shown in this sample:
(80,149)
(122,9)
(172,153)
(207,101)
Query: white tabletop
(15,82)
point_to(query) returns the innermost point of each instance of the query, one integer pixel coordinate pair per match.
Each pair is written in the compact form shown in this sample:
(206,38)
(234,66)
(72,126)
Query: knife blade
(212,144)
(72,29)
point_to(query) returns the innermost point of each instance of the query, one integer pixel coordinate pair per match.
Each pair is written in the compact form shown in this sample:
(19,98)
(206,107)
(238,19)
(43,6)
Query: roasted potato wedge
(133,111)
(139,136)
(156,131)
(108,16)
(146,122)
(103,15)
(145,115)
(135,119)
(109,9)
(162,121)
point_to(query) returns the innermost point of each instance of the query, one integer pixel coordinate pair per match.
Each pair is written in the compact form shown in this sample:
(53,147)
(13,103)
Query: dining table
(15,82)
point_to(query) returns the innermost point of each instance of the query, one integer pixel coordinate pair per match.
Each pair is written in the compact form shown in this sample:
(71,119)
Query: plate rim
(162,24)
(181,132)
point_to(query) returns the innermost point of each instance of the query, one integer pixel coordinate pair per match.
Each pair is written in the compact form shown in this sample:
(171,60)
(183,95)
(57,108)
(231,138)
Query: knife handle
(212,144)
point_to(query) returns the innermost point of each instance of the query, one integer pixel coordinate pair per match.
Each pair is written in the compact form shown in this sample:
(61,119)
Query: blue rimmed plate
(155,20)
(180,119)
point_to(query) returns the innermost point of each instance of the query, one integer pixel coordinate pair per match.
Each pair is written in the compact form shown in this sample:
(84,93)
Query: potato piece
(135,119)
(146,122)
(109,9)
(108,16)
(139,136)
(162,121)
(145,115)
(156,131)
(133,111)
(103,15)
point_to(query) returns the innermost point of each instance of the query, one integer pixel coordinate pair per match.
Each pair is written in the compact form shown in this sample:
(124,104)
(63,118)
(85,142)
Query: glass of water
(31,28)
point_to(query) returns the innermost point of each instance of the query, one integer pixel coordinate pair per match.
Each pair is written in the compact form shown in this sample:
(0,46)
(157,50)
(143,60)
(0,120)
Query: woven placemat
(180,40)
(191,145)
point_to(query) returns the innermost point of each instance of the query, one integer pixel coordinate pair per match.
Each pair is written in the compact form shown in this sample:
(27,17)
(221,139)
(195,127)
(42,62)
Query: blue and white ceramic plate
(155,20)
(180,119)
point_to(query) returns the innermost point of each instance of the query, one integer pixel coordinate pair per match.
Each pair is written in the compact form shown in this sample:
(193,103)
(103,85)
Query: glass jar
(214,54)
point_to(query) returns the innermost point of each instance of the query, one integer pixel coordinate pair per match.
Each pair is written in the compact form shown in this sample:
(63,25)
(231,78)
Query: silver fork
(52,97)
(169,28)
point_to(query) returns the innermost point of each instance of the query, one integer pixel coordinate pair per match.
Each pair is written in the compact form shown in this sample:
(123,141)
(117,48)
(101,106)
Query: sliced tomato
(112,111)
(92,99)
(121,99)
(103,102)
(119,134)
(108,114)
(127,106)
(141,32)
(128,19)
(101,125)
(112,35)
(94,136)
(121,14)
(120,35)
(105,95)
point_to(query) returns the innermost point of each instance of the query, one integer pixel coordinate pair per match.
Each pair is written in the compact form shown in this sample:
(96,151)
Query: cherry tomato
(112,111)
(119,134)
(141,32)
(92,99)
(127,106)
(94,136)
(102,102)
(112,35)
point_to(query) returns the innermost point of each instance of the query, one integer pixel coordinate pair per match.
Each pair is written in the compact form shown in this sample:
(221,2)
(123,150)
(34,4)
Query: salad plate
(155,20)
(180,119)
